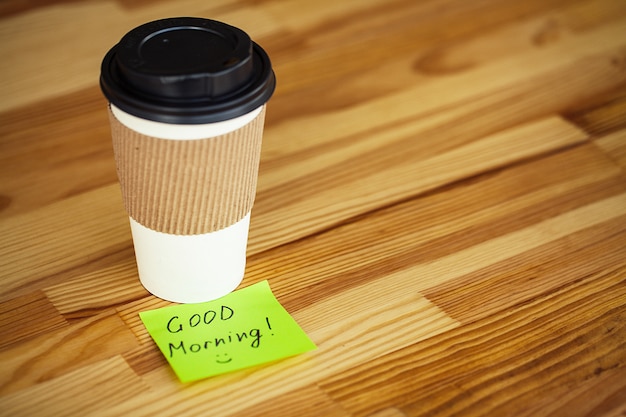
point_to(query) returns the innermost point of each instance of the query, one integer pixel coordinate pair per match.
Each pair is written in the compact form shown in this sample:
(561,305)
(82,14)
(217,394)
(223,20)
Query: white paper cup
(187,107)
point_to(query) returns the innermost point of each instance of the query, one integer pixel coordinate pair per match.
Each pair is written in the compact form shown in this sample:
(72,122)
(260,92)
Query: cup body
(190,241)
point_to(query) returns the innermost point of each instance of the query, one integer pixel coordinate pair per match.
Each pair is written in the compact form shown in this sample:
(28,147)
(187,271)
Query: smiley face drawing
(223,358)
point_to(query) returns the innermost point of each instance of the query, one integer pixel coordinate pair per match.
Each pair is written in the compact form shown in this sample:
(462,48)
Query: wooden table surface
(441,207)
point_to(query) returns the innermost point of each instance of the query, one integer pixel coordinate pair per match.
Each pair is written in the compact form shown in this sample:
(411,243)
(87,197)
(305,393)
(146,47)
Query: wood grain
(441,205)
(53,354)
(102,384)
(536,365)
(16,323)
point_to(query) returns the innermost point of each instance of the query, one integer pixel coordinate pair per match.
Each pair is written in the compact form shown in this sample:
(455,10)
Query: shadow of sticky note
(245,328)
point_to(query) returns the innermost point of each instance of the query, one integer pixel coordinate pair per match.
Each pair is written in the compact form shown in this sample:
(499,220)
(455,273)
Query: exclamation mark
(269,326)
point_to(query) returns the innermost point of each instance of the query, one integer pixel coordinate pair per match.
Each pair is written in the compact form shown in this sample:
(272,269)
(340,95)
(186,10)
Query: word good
(175,325)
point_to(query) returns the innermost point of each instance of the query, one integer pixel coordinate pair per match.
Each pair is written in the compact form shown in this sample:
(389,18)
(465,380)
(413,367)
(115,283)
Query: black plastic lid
(187,70)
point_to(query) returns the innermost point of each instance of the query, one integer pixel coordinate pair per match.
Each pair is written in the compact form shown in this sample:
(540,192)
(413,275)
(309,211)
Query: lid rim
(192,110)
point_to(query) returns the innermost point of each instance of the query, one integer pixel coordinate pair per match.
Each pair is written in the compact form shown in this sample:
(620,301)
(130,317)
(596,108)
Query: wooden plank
(540,30)
(25,317)
(614,144)
(520,279)
(61,146)
(408,143)
(388,412)
(72,232)
(392,173)
(508,246)
(601,394)
(605,118)
(497,364)
(98,290)
(145,357)
(56,353)
(309,401)
(87,389)
(437,225)
(129,313)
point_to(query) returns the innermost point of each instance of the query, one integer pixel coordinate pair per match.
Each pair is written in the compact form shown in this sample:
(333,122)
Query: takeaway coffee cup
(187,105)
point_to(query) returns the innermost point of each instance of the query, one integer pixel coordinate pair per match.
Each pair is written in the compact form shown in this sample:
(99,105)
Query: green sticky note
(242,329)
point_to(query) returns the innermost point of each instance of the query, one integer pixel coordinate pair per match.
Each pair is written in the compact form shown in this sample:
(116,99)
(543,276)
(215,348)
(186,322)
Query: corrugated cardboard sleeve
(188,187)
